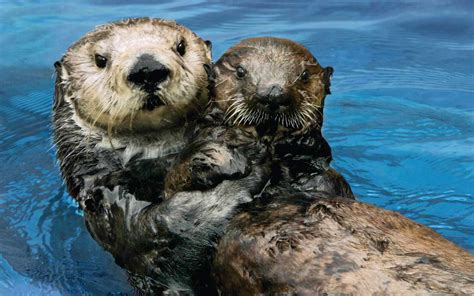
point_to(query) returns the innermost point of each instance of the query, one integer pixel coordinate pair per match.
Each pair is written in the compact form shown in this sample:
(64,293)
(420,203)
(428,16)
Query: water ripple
(400,119)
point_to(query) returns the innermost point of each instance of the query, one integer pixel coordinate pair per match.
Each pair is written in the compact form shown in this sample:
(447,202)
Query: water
(400,119)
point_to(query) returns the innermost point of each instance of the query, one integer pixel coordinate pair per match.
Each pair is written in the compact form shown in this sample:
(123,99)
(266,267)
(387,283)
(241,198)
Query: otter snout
(273,99)
(148,73)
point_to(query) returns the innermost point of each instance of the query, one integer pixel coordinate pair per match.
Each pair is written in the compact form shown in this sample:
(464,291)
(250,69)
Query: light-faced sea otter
(125,94)
(125,91)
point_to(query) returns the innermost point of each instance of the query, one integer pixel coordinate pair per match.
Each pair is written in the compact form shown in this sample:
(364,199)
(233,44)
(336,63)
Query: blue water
(400,119)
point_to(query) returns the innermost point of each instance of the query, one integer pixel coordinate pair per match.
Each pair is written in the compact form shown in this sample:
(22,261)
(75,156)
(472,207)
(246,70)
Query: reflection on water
(400,119)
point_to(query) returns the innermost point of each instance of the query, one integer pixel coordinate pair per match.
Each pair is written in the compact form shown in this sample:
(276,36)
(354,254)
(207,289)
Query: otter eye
(181,48)
(100,61)
(305,75)
(240,72)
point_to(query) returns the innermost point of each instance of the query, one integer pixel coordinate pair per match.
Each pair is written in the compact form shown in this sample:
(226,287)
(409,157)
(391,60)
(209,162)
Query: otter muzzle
(273,99)
(148,73)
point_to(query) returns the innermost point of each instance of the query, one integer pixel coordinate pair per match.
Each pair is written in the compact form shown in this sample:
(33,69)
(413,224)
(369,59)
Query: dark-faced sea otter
(303,236)
(267,97)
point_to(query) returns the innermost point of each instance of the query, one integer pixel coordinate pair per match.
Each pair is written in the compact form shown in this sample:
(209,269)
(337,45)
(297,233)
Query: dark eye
(100,61)
(181,48)
(240,72)
(305,75)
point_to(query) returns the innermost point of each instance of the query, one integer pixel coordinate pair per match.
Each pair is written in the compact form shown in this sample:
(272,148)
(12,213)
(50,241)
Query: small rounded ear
(211,77)
(57,66)
(209,44)
(207,68)
(58,89)
(209,49)
(327,75)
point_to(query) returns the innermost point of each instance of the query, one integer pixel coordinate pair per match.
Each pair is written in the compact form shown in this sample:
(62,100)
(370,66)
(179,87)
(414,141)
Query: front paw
(203,162)
(198,173)
(205,169)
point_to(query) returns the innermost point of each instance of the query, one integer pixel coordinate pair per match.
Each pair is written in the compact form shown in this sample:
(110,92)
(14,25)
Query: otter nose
(148,72)
(273,98)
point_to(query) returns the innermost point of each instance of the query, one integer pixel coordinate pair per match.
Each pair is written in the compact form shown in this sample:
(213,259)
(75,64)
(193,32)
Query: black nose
(148,73)
(274,98)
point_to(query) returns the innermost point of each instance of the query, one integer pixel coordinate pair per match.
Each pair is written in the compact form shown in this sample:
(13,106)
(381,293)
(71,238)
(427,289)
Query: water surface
(400,119)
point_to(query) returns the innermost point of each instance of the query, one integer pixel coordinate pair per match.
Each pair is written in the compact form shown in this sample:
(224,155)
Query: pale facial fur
(104,97)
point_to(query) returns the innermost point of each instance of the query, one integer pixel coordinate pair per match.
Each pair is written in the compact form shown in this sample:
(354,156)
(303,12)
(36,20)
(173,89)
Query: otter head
(138,74)
(271,82)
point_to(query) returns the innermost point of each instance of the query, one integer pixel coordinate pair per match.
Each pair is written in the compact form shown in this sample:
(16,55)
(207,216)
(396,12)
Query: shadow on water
(400,119)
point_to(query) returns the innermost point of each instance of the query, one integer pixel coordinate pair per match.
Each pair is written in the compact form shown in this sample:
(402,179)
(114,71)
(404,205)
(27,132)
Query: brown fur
(337,247)
(205,163)
(273,61)
(237,107)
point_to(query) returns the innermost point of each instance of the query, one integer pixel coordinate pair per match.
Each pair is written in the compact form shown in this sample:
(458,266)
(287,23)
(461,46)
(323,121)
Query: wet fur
(169,246)
(305,235)
(98,117)
(115,168)
(271,61)
(164,244)
(323,245)
(292,139)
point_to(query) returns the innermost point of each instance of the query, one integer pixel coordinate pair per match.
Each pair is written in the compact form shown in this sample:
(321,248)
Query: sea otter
(125,94)
(125,91)
(302,236)
(265,113)
(267,96)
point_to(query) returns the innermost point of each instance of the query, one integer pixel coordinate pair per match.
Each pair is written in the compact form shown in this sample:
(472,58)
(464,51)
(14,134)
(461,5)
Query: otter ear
(58,87)
(57,66)
(211,78)
(209,49)
(327,75)
(208,44)
(208,69)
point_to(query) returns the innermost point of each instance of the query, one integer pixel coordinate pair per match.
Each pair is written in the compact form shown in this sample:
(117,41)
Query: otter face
(135,74)
(263,81)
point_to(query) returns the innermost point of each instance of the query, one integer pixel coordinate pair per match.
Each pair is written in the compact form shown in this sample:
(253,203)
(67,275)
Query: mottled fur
(236,130)
(114,153)
(99,119)
(267,62)
(322,245)
(169,245)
